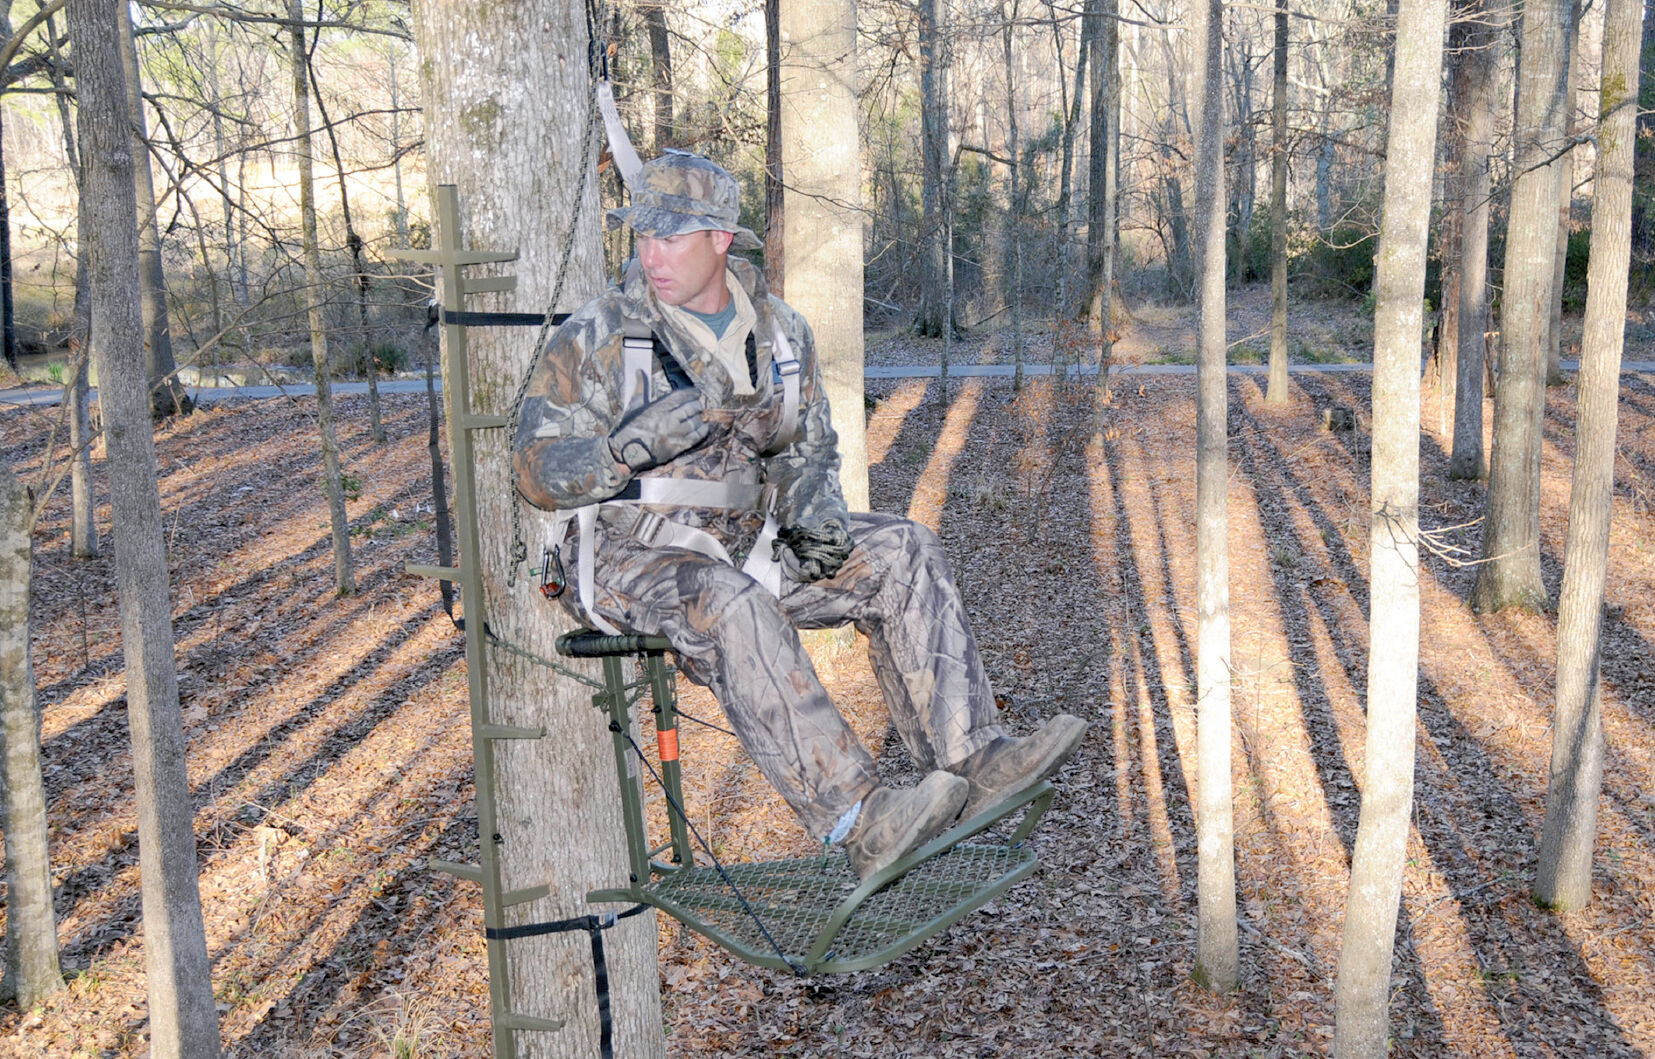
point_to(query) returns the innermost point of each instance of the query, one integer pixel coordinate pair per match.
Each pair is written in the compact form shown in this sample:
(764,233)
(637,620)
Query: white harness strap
(637,359)
(620,144)
(787,366)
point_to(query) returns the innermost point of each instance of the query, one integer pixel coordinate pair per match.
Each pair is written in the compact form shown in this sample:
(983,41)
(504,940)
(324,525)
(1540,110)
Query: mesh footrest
(800,900)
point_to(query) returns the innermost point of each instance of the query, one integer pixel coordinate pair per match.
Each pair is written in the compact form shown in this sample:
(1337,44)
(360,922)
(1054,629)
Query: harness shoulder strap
(637,355)
(785,367)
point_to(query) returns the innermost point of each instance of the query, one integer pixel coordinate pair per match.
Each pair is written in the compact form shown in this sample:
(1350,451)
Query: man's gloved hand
(812,553)
(649,435)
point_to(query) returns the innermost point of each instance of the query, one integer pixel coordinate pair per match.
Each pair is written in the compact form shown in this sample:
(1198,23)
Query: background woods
(1314,617)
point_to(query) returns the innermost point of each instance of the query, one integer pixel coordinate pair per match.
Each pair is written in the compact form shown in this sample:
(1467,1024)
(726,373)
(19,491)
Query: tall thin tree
(1564,880)
(1510,573)
(1471,42)
(1276,393)
(1363,991)
(333,486)
(1216,955)
(182,1016)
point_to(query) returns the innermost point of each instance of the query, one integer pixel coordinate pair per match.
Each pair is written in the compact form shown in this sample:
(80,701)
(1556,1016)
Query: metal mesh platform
(799,901)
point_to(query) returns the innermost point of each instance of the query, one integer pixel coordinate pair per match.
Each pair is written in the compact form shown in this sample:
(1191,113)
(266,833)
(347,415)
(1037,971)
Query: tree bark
(1564,880)
(344,572)
(660,57)
(1014,235)
(32,971)
(507,93)
(1103,208)
(1510,574)
(1362,993)
(821,150)
(182,1018)
(1216,944)
(1276,393)
(1474,100)
(166,396)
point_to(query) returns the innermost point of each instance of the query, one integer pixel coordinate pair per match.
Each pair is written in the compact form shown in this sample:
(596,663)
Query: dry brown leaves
(330,755)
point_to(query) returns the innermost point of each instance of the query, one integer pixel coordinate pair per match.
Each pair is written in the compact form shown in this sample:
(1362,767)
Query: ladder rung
(509,731)
(446,573)
(482,422)
(512,898)
(469,872)
(486,284)
(455,257)
(513,1021)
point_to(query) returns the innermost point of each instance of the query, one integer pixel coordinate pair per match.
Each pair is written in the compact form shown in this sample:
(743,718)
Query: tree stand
(811,915)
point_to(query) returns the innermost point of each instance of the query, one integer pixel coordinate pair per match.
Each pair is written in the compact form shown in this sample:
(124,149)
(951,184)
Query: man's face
(687,270)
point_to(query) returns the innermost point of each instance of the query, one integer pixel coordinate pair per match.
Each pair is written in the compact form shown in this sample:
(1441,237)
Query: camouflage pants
(731,635)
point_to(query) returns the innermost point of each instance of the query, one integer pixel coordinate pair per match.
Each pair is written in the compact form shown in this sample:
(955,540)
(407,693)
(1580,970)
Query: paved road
(43,395)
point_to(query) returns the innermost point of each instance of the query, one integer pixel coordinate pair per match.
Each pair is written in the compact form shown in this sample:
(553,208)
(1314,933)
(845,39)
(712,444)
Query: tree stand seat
(807,914)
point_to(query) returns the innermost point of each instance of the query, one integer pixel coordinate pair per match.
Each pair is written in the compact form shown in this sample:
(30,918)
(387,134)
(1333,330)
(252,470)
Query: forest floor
(330,755)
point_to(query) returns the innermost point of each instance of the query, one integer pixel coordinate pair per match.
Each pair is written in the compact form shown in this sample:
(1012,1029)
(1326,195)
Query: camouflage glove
(649,435)
(812,553)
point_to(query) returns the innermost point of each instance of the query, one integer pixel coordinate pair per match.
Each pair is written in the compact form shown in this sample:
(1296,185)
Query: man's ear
(722,240)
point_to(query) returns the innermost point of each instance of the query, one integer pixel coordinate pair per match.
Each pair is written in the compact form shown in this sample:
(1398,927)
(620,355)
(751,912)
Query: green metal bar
(510,731)
(615,698)
(513,1021)
(492,285)
(446,573)
(468,872)
(664,692)
(512,898)
(484,422)
(451,254)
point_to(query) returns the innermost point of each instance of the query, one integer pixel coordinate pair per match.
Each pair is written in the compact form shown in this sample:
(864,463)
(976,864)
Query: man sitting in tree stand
(677,426)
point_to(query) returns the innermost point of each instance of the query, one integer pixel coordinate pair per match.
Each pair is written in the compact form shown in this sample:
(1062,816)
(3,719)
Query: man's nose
(649,252)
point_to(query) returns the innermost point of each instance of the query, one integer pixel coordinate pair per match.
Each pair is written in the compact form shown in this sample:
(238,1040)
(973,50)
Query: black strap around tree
(594,925)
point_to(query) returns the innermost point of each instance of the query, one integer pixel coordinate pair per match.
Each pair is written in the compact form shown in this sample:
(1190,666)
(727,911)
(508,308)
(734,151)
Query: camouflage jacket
(561,452)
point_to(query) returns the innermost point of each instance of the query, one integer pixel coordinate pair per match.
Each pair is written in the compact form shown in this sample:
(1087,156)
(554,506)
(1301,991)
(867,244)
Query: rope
(725,875)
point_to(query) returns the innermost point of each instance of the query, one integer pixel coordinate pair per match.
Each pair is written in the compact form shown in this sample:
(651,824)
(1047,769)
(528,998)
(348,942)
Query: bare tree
(344,573)
(1103,195)
(32,971)
(1510,573)
(1565,202)
(935,246)
(1216,955)
(1362,994)
(821,151)
(182,1017)
(1564,879)
(1473,92)
(167,397)
(1277,390)
(523,163)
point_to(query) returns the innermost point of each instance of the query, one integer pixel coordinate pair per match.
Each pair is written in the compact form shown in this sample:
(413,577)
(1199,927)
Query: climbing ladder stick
(450,261)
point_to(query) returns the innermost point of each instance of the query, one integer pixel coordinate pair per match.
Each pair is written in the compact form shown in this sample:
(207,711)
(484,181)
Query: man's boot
(894,822)
(1008,766)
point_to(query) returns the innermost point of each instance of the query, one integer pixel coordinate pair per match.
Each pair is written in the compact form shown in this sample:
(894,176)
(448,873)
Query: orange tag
(667,740)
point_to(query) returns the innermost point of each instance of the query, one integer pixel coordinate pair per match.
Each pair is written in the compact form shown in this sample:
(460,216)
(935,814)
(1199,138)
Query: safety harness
(641,351)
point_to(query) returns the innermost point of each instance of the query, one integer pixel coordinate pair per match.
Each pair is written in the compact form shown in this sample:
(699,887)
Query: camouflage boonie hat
(683,192)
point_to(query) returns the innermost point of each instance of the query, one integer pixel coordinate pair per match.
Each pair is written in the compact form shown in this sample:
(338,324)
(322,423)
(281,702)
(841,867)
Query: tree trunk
(518,73)
(1277,391)
(1474,100)
(1066,167)
(1564,880)
(83,528)
(1362,993)
(1103,209)
(1565,205)
(935,166)
(775,195)
(166,396)
(182,1018)
(32,971)
(1215,943)
(344,573)
(1014,289)
(1510,574)
(660,56)
(822,153)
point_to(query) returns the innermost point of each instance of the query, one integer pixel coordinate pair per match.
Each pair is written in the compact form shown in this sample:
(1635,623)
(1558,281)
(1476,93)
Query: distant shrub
(1336,265)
